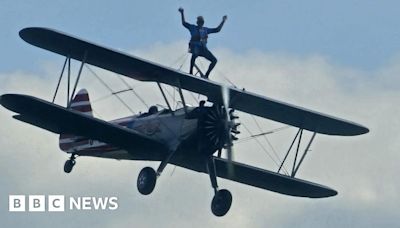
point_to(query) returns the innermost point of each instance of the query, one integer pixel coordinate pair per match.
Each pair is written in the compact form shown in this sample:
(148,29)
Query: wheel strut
(212,173)
(222,200)
(70,163)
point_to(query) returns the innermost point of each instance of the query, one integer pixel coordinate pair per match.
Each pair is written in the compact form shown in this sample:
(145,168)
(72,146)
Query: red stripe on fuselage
(81,141)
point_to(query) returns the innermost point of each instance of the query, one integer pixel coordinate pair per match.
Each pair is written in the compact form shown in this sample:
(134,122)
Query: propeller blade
(225,98)
(234,138)
(235,131)
(231,172)
(228,127)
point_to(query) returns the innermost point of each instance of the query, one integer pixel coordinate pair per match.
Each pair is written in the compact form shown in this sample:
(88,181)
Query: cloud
(363,169)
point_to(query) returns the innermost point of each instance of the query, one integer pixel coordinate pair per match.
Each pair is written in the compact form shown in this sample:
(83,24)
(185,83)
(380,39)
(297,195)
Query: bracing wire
(264,149)
(179,59)
(102,98)
(109,88)
(266,139)
(226,78)
(110,95)
(194,97)
(133,91)
(261,134)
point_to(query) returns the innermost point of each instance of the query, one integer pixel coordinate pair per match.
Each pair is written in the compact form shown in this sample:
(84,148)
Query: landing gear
(148,176)
(69,164)
(146,180)
(222,200)
(221,203)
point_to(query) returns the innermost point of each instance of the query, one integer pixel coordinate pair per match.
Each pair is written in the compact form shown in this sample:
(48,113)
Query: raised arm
(217,29)
(184,23)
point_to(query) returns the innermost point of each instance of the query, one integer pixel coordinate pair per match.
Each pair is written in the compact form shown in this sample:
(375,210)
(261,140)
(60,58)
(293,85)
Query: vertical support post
(79,76)
(305,152)
(297,152)
(59,80)
(69,79)
(199,71)
(290,148)
(182,98)
(165,97)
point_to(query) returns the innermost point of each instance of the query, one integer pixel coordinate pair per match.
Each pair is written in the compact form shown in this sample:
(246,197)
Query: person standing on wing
(198,41)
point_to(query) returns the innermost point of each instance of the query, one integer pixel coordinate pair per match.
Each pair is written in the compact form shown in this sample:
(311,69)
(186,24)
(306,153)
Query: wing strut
(296,165)
(59,79)
(78,77)
(199,71)
(304,154)
(69,79)
(67,64)
(165,97)
(182,98)
(297,152)
(290,148)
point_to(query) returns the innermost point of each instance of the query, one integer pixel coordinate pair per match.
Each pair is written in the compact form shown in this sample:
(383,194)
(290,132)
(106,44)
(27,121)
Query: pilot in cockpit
(153,110)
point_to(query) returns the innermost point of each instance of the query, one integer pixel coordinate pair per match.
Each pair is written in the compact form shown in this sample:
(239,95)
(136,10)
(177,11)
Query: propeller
(220,130)
(229,124)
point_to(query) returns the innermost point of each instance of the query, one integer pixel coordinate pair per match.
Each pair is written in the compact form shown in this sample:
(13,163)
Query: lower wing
(60,120)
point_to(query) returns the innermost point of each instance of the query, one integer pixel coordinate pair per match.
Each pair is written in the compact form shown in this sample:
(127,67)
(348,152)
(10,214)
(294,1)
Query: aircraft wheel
(221,203)
(146,180)
(69,164)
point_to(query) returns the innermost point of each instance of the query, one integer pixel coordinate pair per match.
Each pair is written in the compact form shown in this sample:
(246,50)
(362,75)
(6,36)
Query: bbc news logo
(59,203)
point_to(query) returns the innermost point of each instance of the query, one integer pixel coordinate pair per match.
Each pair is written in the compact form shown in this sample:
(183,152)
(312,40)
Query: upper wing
(59,120)
(144,70)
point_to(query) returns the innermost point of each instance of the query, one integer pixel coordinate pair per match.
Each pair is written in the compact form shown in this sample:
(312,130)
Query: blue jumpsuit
(198,44)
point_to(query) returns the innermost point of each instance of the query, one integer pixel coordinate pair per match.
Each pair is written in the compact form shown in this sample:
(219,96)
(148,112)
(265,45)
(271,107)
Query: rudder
(81,103)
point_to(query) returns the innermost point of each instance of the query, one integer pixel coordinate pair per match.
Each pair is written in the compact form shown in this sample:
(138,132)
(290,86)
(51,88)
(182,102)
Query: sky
(338,57)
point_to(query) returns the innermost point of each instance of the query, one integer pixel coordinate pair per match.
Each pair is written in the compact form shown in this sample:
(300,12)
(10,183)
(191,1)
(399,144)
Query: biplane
(191,137)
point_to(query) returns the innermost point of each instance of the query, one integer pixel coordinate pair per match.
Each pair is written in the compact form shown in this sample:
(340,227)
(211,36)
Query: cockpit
(154,110)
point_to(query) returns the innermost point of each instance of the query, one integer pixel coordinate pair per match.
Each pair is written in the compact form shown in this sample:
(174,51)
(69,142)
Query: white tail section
(80,103)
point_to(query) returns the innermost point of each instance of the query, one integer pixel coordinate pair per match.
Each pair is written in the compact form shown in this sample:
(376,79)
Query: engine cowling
(214,129)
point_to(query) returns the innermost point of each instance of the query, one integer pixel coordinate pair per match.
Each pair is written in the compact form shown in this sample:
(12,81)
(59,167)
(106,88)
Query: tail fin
(80,103)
